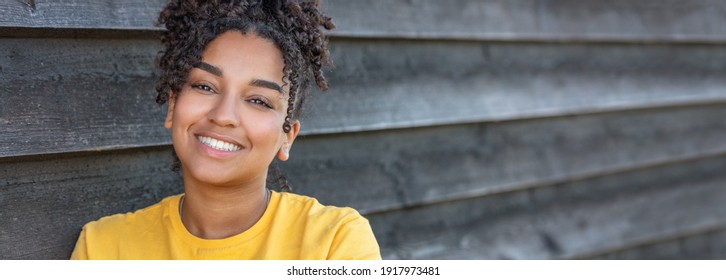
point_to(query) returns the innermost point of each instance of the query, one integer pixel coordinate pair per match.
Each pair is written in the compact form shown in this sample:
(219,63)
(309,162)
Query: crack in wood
(31,4)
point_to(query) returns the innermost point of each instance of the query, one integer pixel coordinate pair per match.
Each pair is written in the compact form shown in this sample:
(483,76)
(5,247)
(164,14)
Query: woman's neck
(212,212)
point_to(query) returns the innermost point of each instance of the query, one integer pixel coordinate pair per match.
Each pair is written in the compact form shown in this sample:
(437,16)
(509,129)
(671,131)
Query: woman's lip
(214,152)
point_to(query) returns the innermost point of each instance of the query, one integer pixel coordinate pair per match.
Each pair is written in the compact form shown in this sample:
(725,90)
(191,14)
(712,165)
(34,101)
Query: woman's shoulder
(297,204)
(343,231)
(141,219)
(106,237)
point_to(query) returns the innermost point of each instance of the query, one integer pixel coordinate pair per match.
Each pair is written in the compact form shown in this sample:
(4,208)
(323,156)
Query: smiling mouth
(218,144)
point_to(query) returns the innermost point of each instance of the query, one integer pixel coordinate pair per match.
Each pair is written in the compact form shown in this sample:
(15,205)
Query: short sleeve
(355,241)
(81,251)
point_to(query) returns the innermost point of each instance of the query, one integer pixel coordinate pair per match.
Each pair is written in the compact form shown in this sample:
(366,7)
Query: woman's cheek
(270,125)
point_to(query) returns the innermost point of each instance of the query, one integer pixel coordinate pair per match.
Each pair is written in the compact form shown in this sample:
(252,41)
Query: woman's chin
(211,176)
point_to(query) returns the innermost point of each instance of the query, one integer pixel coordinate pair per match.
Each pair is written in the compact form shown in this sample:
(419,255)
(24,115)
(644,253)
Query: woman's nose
(225,111)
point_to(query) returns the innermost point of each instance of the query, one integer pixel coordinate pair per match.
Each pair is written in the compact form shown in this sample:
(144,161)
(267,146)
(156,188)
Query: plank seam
(535,184)
(652,240)
(50,31)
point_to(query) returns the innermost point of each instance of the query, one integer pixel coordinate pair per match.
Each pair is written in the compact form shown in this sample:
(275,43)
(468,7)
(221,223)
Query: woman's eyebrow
(256,82)
(266,84)
(209,68)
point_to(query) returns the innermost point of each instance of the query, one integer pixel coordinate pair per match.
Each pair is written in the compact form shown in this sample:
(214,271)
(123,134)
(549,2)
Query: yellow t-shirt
(292,227)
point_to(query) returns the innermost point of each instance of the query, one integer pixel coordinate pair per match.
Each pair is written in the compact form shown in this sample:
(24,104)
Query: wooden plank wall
(492,129)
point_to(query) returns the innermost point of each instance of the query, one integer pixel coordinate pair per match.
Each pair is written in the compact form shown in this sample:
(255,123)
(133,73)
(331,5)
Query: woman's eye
(261,102)
(203,87)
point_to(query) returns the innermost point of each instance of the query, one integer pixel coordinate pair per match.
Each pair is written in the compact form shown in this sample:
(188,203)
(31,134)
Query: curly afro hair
(294,26)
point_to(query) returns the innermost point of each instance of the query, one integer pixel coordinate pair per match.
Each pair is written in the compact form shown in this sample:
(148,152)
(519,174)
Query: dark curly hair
(293,26)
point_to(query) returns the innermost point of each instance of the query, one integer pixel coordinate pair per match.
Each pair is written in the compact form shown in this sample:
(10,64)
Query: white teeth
(218,144)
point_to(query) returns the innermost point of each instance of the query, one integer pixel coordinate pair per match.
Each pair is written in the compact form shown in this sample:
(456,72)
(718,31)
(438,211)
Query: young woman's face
(226,122)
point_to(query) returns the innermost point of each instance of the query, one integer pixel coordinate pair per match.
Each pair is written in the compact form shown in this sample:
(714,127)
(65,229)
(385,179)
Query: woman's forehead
(233,54)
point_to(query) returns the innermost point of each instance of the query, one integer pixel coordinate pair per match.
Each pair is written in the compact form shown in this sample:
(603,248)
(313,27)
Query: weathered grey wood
(81,14)
(582,218)
(566,20)
(576,20)
(69,95)
(66,95)
(707,245)
(410,168)
(400,84)
(44,202)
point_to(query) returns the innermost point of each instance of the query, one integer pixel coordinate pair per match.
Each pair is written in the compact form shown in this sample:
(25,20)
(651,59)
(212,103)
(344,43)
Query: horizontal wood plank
(69,95)
(518,20)
(583,218)
(532,20)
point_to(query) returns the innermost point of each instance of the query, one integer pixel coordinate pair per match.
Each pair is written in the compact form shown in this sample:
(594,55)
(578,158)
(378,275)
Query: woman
(235,74)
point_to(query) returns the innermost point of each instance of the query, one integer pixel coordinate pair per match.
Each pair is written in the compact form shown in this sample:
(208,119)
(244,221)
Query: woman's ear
(170,111)
(284,153)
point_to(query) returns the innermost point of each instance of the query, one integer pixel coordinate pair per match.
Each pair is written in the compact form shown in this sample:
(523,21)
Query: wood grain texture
(708,245)
(571,220)
(81,14)
(391,170)
(45,202)
(67,95)
(400,84)
(516,20)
